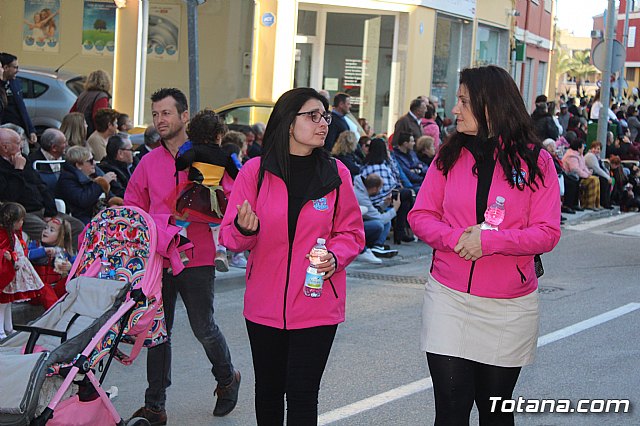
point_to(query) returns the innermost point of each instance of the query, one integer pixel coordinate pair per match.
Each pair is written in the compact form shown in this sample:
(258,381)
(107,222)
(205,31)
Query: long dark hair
(493,94)
(275,142)
(10,213)
(378,153)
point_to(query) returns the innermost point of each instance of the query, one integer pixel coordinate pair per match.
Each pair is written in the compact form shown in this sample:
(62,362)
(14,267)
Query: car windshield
(247,115)
(76,85)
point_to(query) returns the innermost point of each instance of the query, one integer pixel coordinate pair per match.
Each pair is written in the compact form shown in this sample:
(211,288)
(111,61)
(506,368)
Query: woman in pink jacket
(480,314)
(573,163)
(287,199)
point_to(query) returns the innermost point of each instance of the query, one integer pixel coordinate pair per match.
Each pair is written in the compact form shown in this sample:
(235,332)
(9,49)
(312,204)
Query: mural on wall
(98,27)
(164,32)
(41,29)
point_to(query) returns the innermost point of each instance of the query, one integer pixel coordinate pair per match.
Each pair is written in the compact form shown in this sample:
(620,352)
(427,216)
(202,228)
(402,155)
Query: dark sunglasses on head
(317,115)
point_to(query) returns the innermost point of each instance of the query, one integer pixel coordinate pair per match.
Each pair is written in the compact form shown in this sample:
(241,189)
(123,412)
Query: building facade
(384,53)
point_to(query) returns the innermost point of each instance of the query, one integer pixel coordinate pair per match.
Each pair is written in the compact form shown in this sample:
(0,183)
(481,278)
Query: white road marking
(633,231)
(596,222)
(425,384)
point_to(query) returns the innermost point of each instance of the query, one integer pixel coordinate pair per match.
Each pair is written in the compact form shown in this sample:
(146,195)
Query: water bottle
(105,269)
(313,280)
(494,215)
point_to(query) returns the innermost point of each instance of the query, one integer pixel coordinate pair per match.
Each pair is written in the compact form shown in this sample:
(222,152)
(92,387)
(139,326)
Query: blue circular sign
(268,19)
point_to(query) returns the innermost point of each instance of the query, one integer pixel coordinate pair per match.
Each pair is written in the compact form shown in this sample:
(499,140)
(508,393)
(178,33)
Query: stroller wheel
(138,421)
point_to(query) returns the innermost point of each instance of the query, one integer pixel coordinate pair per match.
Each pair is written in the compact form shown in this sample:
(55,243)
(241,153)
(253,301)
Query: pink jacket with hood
(446,206)
(152,187)
(276,270)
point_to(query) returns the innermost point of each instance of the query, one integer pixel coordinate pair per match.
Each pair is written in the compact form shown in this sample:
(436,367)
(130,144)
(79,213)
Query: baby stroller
(48,368)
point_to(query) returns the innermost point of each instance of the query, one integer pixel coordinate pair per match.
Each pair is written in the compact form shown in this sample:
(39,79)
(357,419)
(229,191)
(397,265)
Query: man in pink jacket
(151,187)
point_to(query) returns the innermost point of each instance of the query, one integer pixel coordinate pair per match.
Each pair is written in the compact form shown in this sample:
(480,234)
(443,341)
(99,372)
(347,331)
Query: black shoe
(567,209)
(155,418)
(562,218)
(227,396)
(380,251)
(407,239)
(578,208)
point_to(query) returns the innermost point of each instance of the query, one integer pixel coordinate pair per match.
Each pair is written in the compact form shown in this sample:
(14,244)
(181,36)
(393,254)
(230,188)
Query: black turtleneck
(302,171)
(483,151)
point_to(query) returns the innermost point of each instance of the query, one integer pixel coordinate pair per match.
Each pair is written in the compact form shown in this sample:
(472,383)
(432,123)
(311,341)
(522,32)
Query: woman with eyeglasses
(280,205)
(78,185)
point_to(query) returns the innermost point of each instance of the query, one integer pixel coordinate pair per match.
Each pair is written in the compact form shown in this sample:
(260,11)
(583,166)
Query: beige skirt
(501,332)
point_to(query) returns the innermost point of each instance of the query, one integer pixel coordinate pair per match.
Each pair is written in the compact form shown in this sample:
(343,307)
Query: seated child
(52,257)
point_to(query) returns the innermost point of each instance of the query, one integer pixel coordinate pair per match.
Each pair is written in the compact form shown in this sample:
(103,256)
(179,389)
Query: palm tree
(579,66)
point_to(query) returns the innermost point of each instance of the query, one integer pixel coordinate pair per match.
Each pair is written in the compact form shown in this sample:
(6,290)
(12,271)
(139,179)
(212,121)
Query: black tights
(458,382)
(289,362)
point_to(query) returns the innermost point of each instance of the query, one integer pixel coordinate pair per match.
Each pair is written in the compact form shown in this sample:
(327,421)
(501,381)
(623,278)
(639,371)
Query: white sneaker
(368,256)
(238,261)
(222,263)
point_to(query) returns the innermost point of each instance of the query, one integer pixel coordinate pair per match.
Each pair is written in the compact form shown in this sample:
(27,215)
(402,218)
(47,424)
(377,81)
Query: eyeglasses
(317,115)
(90,160)
(126,149)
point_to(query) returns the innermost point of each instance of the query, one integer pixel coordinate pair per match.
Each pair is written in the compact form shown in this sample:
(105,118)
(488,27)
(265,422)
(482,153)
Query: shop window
(357,60)
(452,51)
(491,46)
(307,22)
(631,74)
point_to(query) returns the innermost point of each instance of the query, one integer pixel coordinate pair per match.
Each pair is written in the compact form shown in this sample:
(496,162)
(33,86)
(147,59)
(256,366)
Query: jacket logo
(321,204)
(521,178)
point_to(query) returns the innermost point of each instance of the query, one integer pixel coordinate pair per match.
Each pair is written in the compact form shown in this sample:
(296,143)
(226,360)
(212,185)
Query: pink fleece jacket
(152,187)
(445,207)
(276,272)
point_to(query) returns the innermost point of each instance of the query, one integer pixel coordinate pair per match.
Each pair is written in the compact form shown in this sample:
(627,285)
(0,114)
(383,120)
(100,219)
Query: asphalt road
(376,374)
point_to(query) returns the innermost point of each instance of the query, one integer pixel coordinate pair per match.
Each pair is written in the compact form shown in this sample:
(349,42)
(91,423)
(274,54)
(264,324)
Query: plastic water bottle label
(313,279)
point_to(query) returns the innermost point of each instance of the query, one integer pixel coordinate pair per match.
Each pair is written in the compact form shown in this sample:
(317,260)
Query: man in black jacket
(341,107)
(544,124)
(119,160)
(23,185)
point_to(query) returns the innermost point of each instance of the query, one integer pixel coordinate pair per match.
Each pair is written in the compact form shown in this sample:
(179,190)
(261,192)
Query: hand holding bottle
(327,265)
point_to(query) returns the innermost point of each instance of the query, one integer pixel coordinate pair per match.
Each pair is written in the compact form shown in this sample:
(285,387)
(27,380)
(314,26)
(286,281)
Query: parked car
(48,95)
(246,111)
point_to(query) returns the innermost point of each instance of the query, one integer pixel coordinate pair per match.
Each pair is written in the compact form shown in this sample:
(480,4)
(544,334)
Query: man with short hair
(106,126)
(15,111)
(563,118)
(411,121)
(151,141)
(119,160)
(339,124)
(52,146)
(149,186)
(376,224)
(22,184)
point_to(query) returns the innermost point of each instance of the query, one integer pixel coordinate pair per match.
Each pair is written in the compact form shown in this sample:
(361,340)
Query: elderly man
(411,122)
(53,143)
(23,185)
(119,160)
(151,141)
